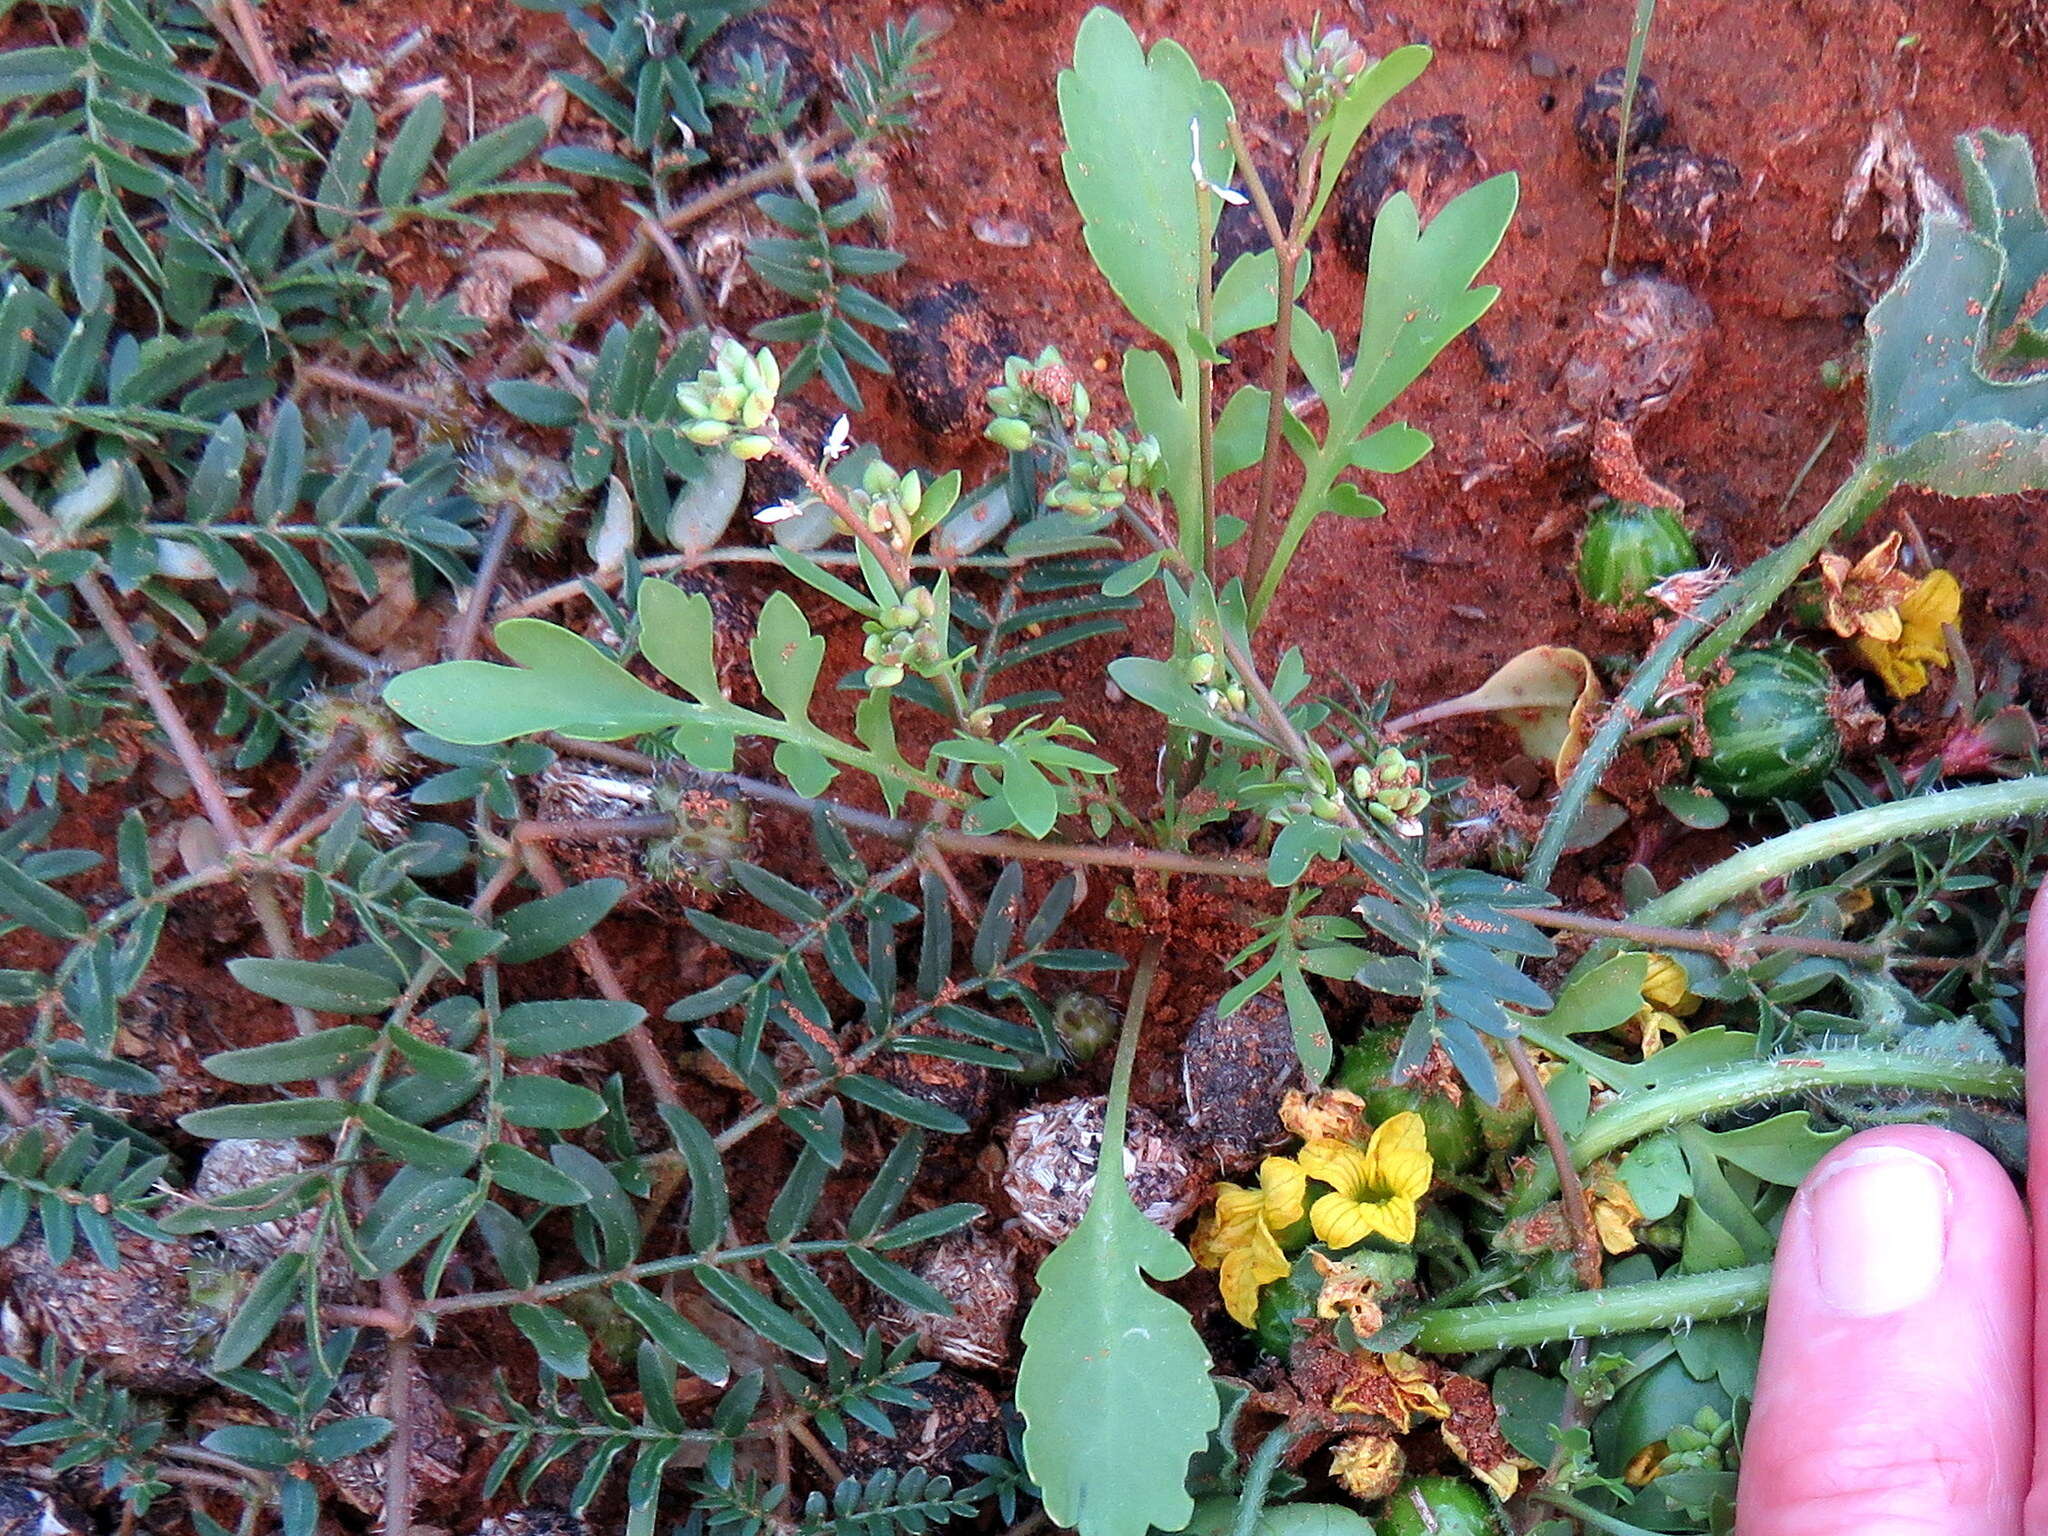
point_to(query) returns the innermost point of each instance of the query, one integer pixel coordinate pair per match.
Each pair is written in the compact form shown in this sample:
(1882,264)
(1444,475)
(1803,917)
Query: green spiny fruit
(1438,1506)
(1771,726)
(1627,549)
(1452,1129)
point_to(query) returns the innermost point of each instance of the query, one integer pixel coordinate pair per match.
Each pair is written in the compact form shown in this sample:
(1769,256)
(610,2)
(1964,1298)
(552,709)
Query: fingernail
(1879,1227)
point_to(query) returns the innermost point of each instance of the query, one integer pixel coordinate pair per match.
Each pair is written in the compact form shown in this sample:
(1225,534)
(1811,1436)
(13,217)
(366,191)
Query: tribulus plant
(525,823)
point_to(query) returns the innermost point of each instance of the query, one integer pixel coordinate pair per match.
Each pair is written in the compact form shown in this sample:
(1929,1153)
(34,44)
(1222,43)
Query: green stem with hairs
(1978,805)
(1258,1479)
(1656,1304)
(1854,500)
(1636,1115)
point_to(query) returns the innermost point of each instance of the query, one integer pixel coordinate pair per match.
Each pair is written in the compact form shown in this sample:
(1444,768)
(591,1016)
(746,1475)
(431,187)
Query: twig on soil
(366,389)
(808,157)
(476,603)
(654,1067)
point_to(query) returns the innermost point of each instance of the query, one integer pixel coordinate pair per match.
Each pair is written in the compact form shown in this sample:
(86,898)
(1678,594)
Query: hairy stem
(1258,1475)
(1578,1213)
(1746,869)
(1633,1116)
(1656,1304)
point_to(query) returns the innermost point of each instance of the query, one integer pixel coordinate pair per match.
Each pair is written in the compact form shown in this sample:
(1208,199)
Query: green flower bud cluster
(1707,1444)
(728,403)
(1318,71)
(1102,468)
(889,502)
(902,638)
(1036,402)
(1390,788)
(1220,691)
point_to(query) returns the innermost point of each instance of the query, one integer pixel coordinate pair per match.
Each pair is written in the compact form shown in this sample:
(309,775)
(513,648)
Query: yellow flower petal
(1283,1190)
(1398,1161)
(1336,1163)
(1368,1467)
(1247,1267)
(1666,986)
(1901,664)
(1938,600)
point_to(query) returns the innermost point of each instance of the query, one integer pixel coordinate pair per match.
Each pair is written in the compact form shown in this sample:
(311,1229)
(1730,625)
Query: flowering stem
(1655,1304)
(1636,1115)
(1265,529)
(1578,1213)
(893,560)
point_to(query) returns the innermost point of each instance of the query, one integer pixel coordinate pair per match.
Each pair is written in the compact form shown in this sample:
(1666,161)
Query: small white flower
(779,512)
(838,440)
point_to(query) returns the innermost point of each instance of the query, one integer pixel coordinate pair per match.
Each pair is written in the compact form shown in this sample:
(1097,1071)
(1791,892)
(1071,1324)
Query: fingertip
(1892,1395)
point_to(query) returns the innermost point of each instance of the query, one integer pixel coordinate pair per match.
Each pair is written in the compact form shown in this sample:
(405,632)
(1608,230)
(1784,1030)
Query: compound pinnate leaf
(1114,1386)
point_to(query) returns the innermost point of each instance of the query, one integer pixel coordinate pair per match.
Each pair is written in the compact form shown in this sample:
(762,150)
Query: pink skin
(1903,1381)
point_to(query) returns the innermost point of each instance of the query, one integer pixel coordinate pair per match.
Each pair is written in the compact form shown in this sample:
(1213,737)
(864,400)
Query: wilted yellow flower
(1901,663)
(1668,1001)
(1396,1386)
(1328,1114)
(1367,1466)
(1647,1465)
(1348,1291)
(1864,598)
(1374,1190)
(1235,1236)
(1615,1214)
(1472,1431)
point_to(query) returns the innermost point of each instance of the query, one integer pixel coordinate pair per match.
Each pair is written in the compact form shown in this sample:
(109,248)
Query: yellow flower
(1668,1001)
(1367,1466)
(1374,1190)
(1235,1235)
(1615,1214)
(1901,663)
(1864,598)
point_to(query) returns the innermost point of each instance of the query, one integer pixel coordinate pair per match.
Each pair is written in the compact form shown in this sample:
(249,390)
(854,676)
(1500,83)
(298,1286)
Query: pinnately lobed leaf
(1129,167)
(1114,1386)
(1938,417)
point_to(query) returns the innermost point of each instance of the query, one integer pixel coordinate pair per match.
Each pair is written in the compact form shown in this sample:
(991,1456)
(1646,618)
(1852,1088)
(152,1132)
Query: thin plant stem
(311,782)
(1264,536)
(1258,1474)
(1787,854)
(1578,1213)
(806,159)
(1638,42)
(1117,1115)
(469,622)
(892,559)
(1586,1514)
(1635,1115)
(597,965)
(398,1351)
(366,389)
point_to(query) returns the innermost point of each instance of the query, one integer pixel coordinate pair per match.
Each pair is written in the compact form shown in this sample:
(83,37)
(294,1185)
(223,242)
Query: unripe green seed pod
(1438,1506)
(1627,549)
(1773,735)
(1084,1023)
